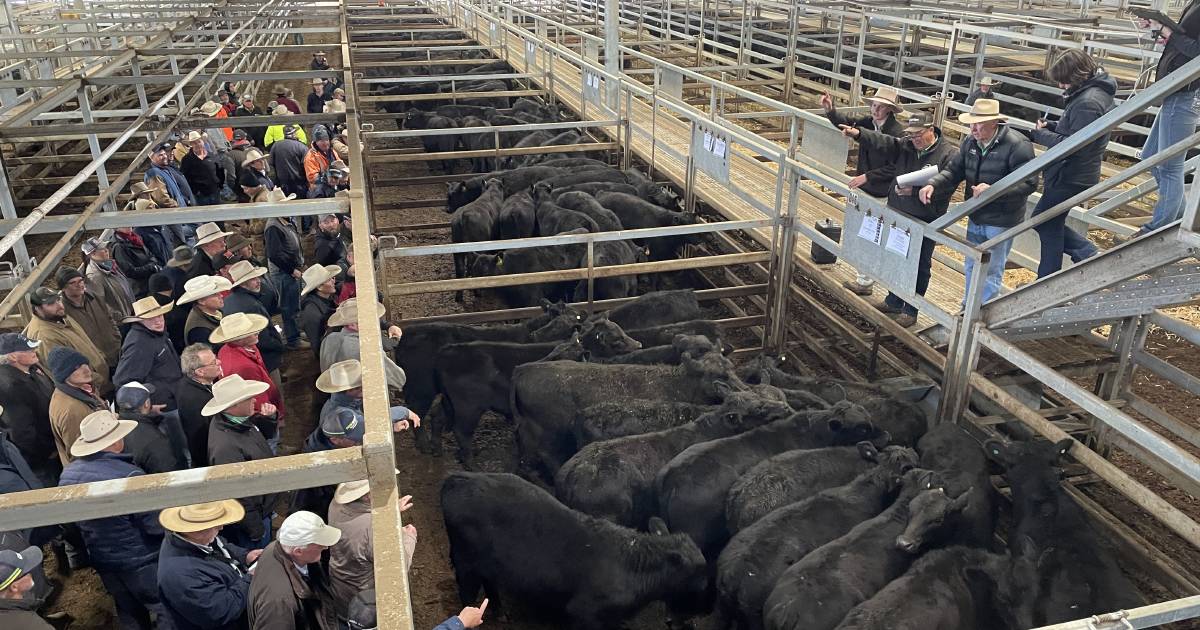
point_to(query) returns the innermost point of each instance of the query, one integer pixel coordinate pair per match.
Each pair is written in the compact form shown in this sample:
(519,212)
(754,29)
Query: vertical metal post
(856,82)
(612,50)
(627,159)
(980,54)
(964,348)
(591,268)
(837,46)
(775,339)
(700,35)
(136,69)
(8,208)
(939,113)
(85,110)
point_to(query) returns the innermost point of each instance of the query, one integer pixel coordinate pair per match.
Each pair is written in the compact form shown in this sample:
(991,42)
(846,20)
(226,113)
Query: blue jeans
(136,595)
(1056,237)
(977,234)
(1176,120)
(289,304)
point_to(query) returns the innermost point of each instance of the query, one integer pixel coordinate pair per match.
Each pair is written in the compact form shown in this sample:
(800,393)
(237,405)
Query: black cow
(650,191)
(461,193)
(698,509)
(509,536)
(657,309)
(1077,574)
(475,222)
(666,333)
(516,219)
(609,420)
(551,219)
(948,450)
(680,348)
(585,175)
(615,479)
(421,342)
(946,589)
(562,139)
(797,475)
(546,395)
(818,591)
(636,213)
(474,377)
(482,112)
(593,188)
(528,260)
(583,202)
(418,119)
(754,559)
(482,141)
(608,254)
(574,163)
(533,139)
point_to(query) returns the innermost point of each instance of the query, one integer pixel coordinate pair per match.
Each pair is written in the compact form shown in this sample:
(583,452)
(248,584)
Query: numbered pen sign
(593,87)
(710,151)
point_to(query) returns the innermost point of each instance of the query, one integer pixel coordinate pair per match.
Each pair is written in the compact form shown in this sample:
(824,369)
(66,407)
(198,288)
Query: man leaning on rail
(921,146)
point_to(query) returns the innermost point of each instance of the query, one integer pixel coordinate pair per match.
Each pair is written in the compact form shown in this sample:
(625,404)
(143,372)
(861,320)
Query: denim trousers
(923,265)
(1176,120)
(289,303)
(1058,239)
(136,595)
(977,234)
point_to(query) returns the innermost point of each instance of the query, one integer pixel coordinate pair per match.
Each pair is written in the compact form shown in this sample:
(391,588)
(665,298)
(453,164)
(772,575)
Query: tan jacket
(281,599)
(66,413)
(71,335)
(95,321)
(352,559)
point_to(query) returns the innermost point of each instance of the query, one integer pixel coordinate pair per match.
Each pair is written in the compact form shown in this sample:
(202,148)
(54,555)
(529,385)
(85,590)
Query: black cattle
(636,213)
(546,395)
(516,218)
(421,342)
(462,111)
(609,420)
(699,509)
(475,222)
(475,377)
(562,139)
(796,475)
(666,333)
(533,139)
(1077,573)
(418,119)
(408,89)
(818,591)
(593,188)
(754,559)
(650,191)
(528,260)
(615,479)
(582,202)
(574,163)
(675,353)
(608,254)
(585,175)
(948,450)
(657,309)
(530,107)
(492,67)
(516,180)
(510,537)
(946,589)
(551,219)
(490,85)
(482,141)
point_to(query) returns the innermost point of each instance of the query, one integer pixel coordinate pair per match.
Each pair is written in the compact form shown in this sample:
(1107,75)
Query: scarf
(133,238)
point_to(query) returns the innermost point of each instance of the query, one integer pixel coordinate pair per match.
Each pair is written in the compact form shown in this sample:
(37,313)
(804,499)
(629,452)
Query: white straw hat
(208,233)
(100,430)
(231,390)
(347,313)
(201,287)
(244,270)
(237,325)
(201,516)
(341,376)
(147,308)
(316,275)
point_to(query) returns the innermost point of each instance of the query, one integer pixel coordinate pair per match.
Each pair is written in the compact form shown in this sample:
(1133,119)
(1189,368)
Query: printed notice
(898,242)
(708,141)
(719,147)
(871,229)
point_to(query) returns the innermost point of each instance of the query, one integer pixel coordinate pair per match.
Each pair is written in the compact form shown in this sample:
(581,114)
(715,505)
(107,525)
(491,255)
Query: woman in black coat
(134,260)
(1089,94)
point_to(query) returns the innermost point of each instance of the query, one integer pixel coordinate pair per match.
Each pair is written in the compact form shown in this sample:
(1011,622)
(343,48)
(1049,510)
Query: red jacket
(248,364)
(292,106)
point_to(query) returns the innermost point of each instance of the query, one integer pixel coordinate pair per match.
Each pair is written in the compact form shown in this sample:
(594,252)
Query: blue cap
(344,422)
(133,395)
(17,342)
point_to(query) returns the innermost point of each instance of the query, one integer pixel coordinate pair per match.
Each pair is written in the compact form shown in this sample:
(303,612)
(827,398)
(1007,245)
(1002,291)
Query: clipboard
(1157,16)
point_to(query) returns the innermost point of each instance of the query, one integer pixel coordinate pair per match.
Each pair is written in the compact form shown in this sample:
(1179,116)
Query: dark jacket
(148,445)
(203,589)
(282,599)
(314,317)
(205,176)
(176,318)
(137,263)
(1182,47)
(875,165)
(191,398)
(202,265)
(316,104)
(282,239)
(287,160)
(906,159)
(256,132)
(115,543)
(270,342)
(230,443)
(1091,100)
(149,358)
(21,615)
(1010,149)
(199,326)
(26,400)
(330,249)
(17,476)
(177,185)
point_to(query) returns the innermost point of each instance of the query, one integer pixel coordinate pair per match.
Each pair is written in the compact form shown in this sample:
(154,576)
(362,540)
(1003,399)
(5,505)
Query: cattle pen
(88,87)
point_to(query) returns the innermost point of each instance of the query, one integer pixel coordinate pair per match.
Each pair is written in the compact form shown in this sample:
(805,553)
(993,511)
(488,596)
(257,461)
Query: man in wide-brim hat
(236,435)
(989,154)
(343,380)
(344,344)
(206,294)
(873,174)
(983,89)
(204,579)
(352,559)
(283,97)
(148,356)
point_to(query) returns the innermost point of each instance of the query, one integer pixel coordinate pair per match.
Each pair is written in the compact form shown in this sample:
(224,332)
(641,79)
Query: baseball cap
(133,395)
(917,122)
(93,244)
(163,146)
(17,342)
(305,528)
(44,295)
(16,565)
(345,423)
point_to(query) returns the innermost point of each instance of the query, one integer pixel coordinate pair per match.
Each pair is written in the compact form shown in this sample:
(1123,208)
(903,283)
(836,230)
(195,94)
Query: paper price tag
(719,148)
(871,229)
(898,242)
(708,141)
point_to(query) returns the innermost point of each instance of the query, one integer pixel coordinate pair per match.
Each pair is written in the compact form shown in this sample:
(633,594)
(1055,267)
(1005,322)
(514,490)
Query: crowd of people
(889,148)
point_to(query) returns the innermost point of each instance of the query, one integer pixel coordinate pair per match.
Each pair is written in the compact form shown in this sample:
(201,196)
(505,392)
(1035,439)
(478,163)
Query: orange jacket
(228,131)
(315,163)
